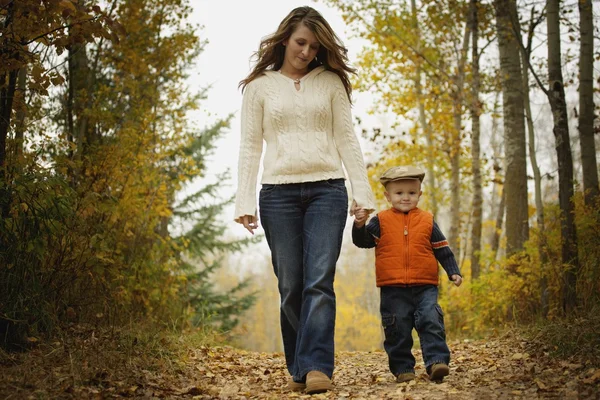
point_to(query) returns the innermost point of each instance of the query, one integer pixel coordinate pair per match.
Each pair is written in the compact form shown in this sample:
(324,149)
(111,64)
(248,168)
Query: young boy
(408,245)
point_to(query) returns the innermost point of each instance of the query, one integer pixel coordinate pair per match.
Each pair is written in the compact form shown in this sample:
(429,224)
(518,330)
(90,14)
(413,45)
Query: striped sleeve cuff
(440,244)
(443,252)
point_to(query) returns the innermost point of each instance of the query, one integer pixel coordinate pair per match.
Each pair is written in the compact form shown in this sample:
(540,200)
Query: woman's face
(300,49)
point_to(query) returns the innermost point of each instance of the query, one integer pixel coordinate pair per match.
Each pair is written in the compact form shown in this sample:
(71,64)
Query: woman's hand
(355,207)
(250,222)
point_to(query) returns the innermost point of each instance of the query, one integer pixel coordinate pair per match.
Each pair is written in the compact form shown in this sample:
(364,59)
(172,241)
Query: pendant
(296,81)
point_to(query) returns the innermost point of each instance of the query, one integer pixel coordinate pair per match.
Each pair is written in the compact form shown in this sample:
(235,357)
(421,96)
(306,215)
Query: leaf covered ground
(89,364)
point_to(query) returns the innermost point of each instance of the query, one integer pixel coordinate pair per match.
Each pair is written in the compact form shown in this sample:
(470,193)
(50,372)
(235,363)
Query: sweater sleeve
(365,236)
(251,145)
(349,147)
(442,251)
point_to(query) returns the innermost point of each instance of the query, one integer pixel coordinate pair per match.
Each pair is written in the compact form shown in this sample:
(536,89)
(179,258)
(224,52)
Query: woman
(297,99)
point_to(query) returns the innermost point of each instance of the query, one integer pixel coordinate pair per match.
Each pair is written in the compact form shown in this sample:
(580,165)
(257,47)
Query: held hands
(457,279)
(360,215)
(250,222)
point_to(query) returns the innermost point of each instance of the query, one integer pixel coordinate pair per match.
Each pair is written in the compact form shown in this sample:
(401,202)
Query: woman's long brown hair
(332,54)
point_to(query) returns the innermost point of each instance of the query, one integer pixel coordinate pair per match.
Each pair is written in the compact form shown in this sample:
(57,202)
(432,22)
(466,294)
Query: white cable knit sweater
(309,134)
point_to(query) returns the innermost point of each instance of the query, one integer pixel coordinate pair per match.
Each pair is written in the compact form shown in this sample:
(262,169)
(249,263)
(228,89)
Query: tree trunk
(556,96)
(20,114)
(515,182)
(76,102)
(497,207)
(475,148)
(539,205)
(586,101)
(78,96)
(458,99)
(455,222)
(8,86)
(6,94)
(497,156)
(499,221)
(425,126)
(537,176)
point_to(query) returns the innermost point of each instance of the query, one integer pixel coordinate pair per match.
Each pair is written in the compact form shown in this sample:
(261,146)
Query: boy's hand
(360,217)
(457,279)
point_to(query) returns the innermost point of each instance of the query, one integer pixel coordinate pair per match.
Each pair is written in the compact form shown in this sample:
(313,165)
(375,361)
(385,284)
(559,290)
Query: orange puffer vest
(404,255)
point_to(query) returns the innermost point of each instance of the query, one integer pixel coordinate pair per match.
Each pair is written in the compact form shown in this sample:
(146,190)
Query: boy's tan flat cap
(402,172)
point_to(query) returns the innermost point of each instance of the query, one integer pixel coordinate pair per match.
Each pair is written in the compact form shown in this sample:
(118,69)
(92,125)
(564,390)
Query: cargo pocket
(390,327)
(440,314)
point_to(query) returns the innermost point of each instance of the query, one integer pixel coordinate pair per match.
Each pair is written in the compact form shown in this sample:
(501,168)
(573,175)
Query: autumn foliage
(99,224)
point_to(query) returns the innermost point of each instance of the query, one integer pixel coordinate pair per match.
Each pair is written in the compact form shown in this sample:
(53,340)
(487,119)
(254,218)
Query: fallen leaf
(540,384)
(592,379)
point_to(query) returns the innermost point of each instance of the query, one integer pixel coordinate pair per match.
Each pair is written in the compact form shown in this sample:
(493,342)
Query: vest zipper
(406,218)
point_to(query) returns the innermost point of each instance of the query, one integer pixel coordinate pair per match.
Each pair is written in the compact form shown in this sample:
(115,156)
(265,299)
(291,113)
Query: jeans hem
(429,364)
(307,370)
(404,371)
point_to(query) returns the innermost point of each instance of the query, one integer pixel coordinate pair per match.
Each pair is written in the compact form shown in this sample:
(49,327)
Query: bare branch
(526,51)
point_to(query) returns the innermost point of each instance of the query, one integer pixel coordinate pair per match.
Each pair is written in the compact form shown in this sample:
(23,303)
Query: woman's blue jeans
(405,308)
(304,224)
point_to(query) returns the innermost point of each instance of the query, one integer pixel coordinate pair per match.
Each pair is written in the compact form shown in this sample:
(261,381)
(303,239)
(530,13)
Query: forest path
(491,369)
(498,368)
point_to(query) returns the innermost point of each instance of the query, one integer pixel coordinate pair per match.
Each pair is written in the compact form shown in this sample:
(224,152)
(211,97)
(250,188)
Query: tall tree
(515,183)
(475,107)
(423,122)
(556,96)
(497,205)
(8,82)
(586,101)
(526,49)
(458,96)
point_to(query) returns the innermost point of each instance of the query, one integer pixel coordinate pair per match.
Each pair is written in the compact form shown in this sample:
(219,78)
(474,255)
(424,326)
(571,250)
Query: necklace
(296,80)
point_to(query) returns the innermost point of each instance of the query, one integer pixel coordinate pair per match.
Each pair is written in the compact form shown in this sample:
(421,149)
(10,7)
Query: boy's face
(404,194)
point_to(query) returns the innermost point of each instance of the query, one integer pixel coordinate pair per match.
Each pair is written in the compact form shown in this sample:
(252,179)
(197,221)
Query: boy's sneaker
(296,386)
(317,382)
(438,372)
(405,377)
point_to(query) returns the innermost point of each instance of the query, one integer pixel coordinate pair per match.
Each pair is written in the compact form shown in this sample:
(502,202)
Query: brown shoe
(438,372)
(405,377)
(296,386)
(317,382)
